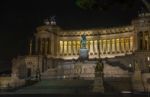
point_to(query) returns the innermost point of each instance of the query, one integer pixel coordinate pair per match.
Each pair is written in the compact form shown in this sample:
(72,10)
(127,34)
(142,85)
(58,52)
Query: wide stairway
(117,84)
(64,86)
(49,74)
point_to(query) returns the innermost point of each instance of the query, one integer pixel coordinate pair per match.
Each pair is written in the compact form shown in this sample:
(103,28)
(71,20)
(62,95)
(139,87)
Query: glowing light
(148,58)
(130,65)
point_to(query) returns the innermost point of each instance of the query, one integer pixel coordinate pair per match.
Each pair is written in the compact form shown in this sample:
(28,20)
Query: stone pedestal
(83,53)
(146,79)
(137,81)
(98,85)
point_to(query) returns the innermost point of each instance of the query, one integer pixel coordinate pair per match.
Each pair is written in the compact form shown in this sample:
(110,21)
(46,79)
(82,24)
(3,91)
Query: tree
(85,4)
(105,4)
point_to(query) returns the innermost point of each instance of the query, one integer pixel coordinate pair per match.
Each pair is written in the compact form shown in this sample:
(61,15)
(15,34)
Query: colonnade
(144,40)
(43,46)
(105,46)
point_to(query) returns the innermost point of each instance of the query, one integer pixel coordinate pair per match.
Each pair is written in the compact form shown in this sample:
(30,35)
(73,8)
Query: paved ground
(75,95)
(57,87)
(64,88)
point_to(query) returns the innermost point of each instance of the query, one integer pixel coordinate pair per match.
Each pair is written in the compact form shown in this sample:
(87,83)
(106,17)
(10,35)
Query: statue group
(83,41)
(99,69)
(83,53)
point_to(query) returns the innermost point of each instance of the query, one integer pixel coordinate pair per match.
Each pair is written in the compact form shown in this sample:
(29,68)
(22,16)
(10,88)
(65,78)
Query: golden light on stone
(65,47)
(108,42)
(113,45)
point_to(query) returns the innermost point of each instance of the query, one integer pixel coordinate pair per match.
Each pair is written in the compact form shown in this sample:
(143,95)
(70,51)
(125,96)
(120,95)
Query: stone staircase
(49,74)
(117,84)
(121,61)
(118,63)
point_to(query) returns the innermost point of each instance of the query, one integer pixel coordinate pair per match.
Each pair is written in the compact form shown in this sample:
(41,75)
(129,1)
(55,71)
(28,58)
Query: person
(83,41)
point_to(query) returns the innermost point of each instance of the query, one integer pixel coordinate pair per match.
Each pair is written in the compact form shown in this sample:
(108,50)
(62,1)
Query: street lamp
(148,59)
(130,67)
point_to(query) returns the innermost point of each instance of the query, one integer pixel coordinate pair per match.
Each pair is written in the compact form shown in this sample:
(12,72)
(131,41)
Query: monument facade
(58,53)
(53,46)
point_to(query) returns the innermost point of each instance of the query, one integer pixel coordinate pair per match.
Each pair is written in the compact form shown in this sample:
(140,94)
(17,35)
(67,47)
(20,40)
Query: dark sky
(18,20)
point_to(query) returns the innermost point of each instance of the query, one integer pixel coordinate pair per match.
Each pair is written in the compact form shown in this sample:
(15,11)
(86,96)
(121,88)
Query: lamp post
(148,59)
(38,75)
(130,67)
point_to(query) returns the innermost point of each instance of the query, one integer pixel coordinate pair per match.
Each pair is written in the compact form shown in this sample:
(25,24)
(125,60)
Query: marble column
(129,44)
(120,50)
(46,46)
(148,41)
(41,46)
(91,47)
(143,40)
(65,48)
(115,43)
(36,45)
(49,40)
(69,48)
(62,48)
(79,46)
(76,47)
(58,46)
(110,46)
(30,47)
(55,45)
(106,47)
(125,48)
(52,44)
(133,43)
(96,46)
(72,47)
(122,45)
(101,47)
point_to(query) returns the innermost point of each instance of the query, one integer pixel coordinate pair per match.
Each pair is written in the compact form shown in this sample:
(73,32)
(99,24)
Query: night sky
(18,20)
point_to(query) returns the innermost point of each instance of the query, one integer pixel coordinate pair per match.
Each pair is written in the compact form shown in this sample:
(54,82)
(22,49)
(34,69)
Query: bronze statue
(99,68)
(83,41)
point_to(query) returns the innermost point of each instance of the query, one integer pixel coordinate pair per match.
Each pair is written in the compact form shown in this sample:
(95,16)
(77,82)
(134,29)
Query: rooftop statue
(53,20)
(83,41)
